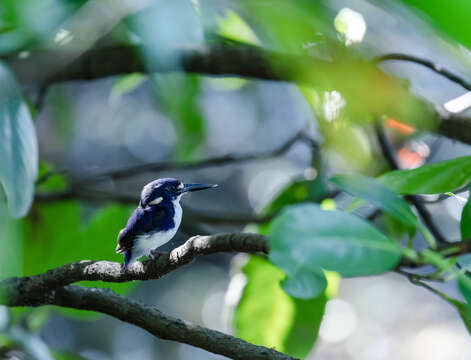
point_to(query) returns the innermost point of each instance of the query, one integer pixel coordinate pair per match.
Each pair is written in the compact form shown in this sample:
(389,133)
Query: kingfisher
(155,220)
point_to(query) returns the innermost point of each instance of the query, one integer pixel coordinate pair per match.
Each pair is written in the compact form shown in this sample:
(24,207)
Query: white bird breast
(145,243)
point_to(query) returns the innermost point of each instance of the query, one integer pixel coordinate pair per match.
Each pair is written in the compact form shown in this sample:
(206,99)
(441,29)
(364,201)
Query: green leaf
(464,261)
(306,238)
(232,26)
(464,284)
(377,194)
(465,222)
(58,233)
(125,84)
(436,178)
(450,17)
(267,316)
(304,284)
(18,146)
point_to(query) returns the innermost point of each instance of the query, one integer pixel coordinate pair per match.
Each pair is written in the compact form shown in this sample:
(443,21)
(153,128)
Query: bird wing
(142,221)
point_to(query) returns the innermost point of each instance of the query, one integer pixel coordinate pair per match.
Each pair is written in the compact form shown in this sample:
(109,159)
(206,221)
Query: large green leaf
(465,223)
(436,178)
(267,316)
(306,238)
(451,17)
(377,194)
(18,146)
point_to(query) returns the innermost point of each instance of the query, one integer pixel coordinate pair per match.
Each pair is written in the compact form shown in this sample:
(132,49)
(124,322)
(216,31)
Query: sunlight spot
(339,321)
(351,25)
(63,37)
(333,103)
(459,104)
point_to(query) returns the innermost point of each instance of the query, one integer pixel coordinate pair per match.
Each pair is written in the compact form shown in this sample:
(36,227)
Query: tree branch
(427,63)
(245,61)
(155,322)
(388,153)
(19,290)
(52,288)
(210,162)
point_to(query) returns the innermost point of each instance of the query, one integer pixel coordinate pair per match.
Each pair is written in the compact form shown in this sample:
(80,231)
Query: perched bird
(156,219)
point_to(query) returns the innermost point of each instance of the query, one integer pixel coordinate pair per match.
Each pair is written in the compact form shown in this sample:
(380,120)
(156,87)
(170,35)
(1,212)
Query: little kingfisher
(155,220)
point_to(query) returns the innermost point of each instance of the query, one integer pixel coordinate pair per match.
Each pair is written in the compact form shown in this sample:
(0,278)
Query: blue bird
(156,219)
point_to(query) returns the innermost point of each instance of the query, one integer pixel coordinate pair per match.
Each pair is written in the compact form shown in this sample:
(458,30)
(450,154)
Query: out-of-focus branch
(210,162)
(390,157)
(427,63)
(225,60)
(246,61)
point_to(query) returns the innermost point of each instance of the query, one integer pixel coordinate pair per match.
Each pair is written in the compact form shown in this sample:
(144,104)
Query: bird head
(168,189)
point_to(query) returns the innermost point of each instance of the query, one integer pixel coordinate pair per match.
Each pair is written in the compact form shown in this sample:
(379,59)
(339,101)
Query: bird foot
(154,254)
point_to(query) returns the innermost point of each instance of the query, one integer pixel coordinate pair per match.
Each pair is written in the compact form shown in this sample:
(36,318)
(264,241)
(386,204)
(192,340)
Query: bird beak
(196,187)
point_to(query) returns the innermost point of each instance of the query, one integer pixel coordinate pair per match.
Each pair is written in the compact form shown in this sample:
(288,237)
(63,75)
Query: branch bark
(52,288)
(155,322)
(28,289)
(241,60)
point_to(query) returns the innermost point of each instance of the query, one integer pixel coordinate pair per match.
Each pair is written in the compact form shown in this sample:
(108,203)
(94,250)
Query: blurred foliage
(465,222)
(21,27)
(288,324)
(18,146)
(345,92)
(178,96)
(125,84)
(11,255)
(451,17)
(233,27)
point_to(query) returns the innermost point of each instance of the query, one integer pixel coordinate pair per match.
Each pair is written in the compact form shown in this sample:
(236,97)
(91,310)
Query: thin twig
(390,157)
(210,162)
(427,63)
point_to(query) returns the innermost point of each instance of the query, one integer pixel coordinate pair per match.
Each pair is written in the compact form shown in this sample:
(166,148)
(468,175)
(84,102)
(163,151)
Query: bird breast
(145,243)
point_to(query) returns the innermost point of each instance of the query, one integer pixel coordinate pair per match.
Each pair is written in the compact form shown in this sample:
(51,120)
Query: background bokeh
(86,128)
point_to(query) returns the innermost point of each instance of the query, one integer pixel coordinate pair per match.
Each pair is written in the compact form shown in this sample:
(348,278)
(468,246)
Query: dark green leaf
(267,316)
(465,223)
(18,146)
(304,284)
(377,194)
(306,238)
(430,179)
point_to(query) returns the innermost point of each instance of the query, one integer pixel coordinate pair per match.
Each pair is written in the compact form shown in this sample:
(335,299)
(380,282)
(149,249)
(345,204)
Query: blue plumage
(156,219)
